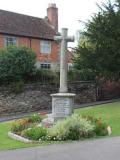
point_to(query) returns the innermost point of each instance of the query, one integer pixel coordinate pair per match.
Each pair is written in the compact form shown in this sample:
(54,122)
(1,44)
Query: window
(45,65)
(45,47)
(10,41)
(70,66)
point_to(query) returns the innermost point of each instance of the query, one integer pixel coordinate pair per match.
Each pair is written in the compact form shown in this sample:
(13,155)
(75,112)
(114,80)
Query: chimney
(52,14)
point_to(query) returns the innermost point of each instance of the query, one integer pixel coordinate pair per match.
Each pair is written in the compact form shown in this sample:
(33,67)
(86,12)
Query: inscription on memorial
(62,107)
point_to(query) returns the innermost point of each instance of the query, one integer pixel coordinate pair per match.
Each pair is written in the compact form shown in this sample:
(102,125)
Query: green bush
(74,133)
(72,128)
(80,75)
(15,63)
(43,76)
(35,133)
(34,118)
(19,126)
(100,128)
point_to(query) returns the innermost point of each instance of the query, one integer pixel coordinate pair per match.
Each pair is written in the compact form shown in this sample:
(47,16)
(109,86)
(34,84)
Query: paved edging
(19,138)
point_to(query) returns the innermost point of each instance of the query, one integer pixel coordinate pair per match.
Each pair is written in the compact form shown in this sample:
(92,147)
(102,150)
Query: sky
(70,11)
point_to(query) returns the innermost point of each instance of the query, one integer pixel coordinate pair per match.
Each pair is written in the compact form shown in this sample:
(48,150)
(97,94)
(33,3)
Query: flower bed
(75,127)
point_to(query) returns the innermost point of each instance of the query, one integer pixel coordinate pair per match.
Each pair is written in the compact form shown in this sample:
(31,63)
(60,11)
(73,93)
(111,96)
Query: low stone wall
(85,91)
(37,97)
(108,90)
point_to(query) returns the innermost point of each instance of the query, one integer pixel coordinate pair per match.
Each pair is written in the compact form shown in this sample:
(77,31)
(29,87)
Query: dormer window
(10,41)
(45,47)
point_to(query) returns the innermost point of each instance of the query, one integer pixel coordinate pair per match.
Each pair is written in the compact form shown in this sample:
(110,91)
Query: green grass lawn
(110,113)
(8,143)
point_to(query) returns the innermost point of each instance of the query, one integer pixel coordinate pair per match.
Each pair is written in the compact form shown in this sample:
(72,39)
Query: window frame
(49,64)
(6,44)
(42,45)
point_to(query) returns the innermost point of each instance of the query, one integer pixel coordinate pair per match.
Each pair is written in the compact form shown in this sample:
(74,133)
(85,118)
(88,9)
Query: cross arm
(58,38)
(70,39)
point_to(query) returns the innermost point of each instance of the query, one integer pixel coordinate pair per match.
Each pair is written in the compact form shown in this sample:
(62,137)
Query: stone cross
(63,39)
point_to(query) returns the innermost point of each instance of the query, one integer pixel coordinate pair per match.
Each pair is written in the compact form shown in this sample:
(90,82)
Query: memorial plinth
(62,105)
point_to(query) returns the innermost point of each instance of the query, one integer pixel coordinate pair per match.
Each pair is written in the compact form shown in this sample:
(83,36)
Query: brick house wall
(42,58)
(1,41)
(33,43)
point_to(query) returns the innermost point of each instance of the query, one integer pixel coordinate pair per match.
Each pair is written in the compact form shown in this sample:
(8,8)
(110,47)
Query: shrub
(15,63)
(80,75)
(19,125)
(100,128)
(34,118)
(72,128)
(43,75)
(35,133)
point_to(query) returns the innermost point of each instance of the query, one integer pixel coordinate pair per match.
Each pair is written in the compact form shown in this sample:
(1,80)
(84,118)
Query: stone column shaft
(63,63)
(63,39)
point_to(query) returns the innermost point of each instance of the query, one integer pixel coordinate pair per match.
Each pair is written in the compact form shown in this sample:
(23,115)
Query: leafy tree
(15,63)
(99,55)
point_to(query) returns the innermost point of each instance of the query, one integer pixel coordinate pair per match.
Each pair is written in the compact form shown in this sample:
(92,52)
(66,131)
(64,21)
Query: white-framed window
(10,41)
(45,66)
(45,47)
(70,66)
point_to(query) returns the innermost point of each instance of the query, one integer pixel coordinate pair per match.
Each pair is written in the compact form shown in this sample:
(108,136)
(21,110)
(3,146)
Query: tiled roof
(23,25)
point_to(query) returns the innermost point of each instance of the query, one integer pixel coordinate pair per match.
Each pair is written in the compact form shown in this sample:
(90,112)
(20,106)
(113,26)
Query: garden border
(19,138)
